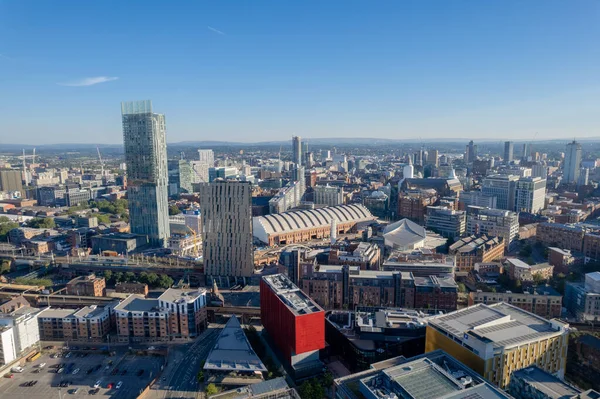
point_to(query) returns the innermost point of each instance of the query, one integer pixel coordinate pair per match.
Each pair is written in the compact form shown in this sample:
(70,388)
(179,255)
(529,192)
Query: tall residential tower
(297,150)
(144,138)
(572,163)
(509,147)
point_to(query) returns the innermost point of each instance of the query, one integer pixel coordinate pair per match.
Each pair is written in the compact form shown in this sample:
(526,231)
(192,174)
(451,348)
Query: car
(97,384)
(68,355)
(55,366)
(41,365)
(64,384)
(94,391)
(17,369)
(74,391)
(60,370)
(9,375)
(119,385)
(107,367)
(110,385)
(37,371)
(33,382)
(75,371)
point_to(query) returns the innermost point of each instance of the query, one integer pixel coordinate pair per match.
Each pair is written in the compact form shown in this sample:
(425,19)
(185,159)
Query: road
(179,379)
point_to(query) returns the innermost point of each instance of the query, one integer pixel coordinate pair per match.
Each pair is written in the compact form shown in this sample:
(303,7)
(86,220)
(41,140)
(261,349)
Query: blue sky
(264,70)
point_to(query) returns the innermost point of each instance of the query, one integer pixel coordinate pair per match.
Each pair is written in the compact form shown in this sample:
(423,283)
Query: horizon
(259,72)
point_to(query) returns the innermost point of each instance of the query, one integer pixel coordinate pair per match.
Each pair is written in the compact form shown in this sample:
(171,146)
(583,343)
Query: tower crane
(101,161)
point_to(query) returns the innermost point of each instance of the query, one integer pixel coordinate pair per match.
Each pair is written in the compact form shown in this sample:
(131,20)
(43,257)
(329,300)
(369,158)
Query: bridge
(244,312)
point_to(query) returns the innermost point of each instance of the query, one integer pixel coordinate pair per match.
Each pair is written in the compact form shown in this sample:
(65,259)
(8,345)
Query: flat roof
(177,295)
(232,351)
(138,303)
(500,324)
(545,382)
(56,313)
(89,312)
(291,295)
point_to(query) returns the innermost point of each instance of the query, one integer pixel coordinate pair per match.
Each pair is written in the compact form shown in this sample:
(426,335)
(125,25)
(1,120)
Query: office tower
(227,230)
(508,151)
(572,163)
(296,150)
(470,152)
(180,177)
(308,159)
(432,157)
(584,176)
(144,136)
(530,194)
(447,222)
(526,152)
(11,180)
(493,223)
(418,158)
(502,187)
(202,165)
(328,195)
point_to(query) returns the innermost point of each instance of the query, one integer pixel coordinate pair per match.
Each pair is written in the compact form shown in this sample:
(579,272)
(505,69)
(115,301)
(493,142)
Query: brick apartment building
(471,250)
(87,286)
(88,324)
(544,301)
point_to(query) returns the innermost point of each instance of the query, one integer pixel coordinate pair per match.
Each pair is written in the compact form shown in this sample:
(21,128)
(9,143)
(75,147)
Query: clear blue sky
(264,70)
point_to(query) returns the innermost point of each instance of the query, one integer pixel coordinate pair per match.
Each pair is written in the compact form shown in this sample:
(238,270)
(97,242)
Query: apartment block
(544,301)
(88,324)
(365,255)
(476,249)
(496,340)
(175,315)
(583,299)
(564,236)
(413,204)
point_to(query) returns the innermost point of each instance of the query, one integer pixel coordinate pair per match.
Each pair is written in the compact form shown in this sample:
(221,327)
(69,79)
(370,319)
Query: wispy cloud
(89,81)
(6,57)
(215,30)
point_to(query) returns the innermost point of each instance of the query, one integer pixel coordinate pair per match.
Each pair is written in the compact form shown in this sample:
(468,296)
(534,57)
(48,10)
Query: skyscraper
(145,142)
(572,163)
(526,152)
(530,194)
(226,208)
(432,157)
(201,167)
(508,151)
(470,152)
(296,150)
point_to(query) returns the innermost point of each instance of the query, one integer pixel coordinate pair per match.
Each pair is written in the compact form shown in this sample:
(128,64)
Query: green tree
(211,389)
(119,277)
(306,390)
(108,275)
(6,225)
(103,218)
(538,279)
(5,267)
(143,278)
(200,376)
(327,379)
(174,210)
(42,223)
(152,279)
(165,281)
(129,276)
(462,287)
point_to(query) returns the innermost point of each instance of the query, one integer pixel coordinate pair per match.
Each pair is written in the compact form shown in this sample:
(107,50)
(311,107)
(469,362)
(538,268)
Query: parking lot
(82,373)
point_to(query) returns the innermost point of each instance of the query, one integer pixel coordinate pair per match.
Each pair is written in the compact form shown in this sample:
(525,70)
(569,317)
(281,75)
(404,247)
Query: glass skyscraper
(145,142)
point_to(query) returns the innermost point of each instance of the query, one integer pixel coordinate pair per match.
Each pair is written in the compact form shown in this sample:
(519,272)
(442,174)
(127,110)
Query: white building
(502,187)
(8,351)
(328,195)
(493,223)
(572,163)
(24,325)
(530,194)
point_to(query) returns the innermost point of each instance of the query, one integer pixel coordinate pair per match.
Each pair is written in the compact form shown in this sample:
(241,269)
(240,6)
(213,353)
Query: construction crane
(101,161)
(195,235)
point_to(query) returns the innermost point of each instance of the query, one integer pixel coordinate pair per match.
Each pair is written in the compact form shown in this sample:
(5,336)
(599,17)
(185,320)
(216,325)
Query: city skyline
(405,70)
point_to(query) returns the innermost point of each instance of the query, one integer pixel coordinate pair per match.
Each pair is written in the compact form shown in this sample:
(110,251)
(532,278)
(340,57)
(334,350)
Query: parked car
(120,384)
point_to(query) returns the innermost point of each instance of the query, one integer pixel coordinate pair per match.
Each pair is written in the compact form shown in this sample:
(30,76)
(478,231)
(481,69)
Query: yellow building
(498,339)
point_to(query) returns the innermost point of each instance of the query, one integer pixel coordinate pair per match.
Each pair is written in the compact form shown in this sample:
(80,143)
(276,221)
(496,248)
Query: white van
(17,369)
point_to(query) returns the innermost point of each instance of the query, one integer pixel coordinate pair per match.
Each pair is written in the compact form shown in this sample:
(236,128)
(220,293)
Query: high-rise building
(470,152)
(572,163)
(297,150)
(144,136)
(502,187)
(509,147)
(447,222)
(180,176)
(530,194)
(493,223)
(433,157)
(526,152)
(227,230)
(202,165)
(11,180)
(328,195)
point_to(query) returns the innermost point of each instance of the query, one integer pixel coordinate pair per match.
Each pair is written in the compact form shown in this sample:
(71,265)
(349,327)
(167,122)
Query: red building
(294,322)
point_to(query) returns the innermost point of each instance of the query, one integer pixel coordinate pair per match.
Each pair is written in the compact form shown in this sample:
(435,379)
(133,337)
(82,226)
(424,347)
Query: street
(179,379)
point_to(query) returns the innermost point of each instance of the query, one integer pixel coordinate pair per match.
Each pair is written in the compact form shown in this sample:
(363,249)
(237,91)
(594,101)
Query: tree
(143,278)
(103,218)
(119,278)
(108,275)
(165,281)
(174,210)
(200,376)
(6,225)
(306,390)
(462,287)
(211,389)
(5,267)
(327,379)
(129,276)
(42,223)
(152,279)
